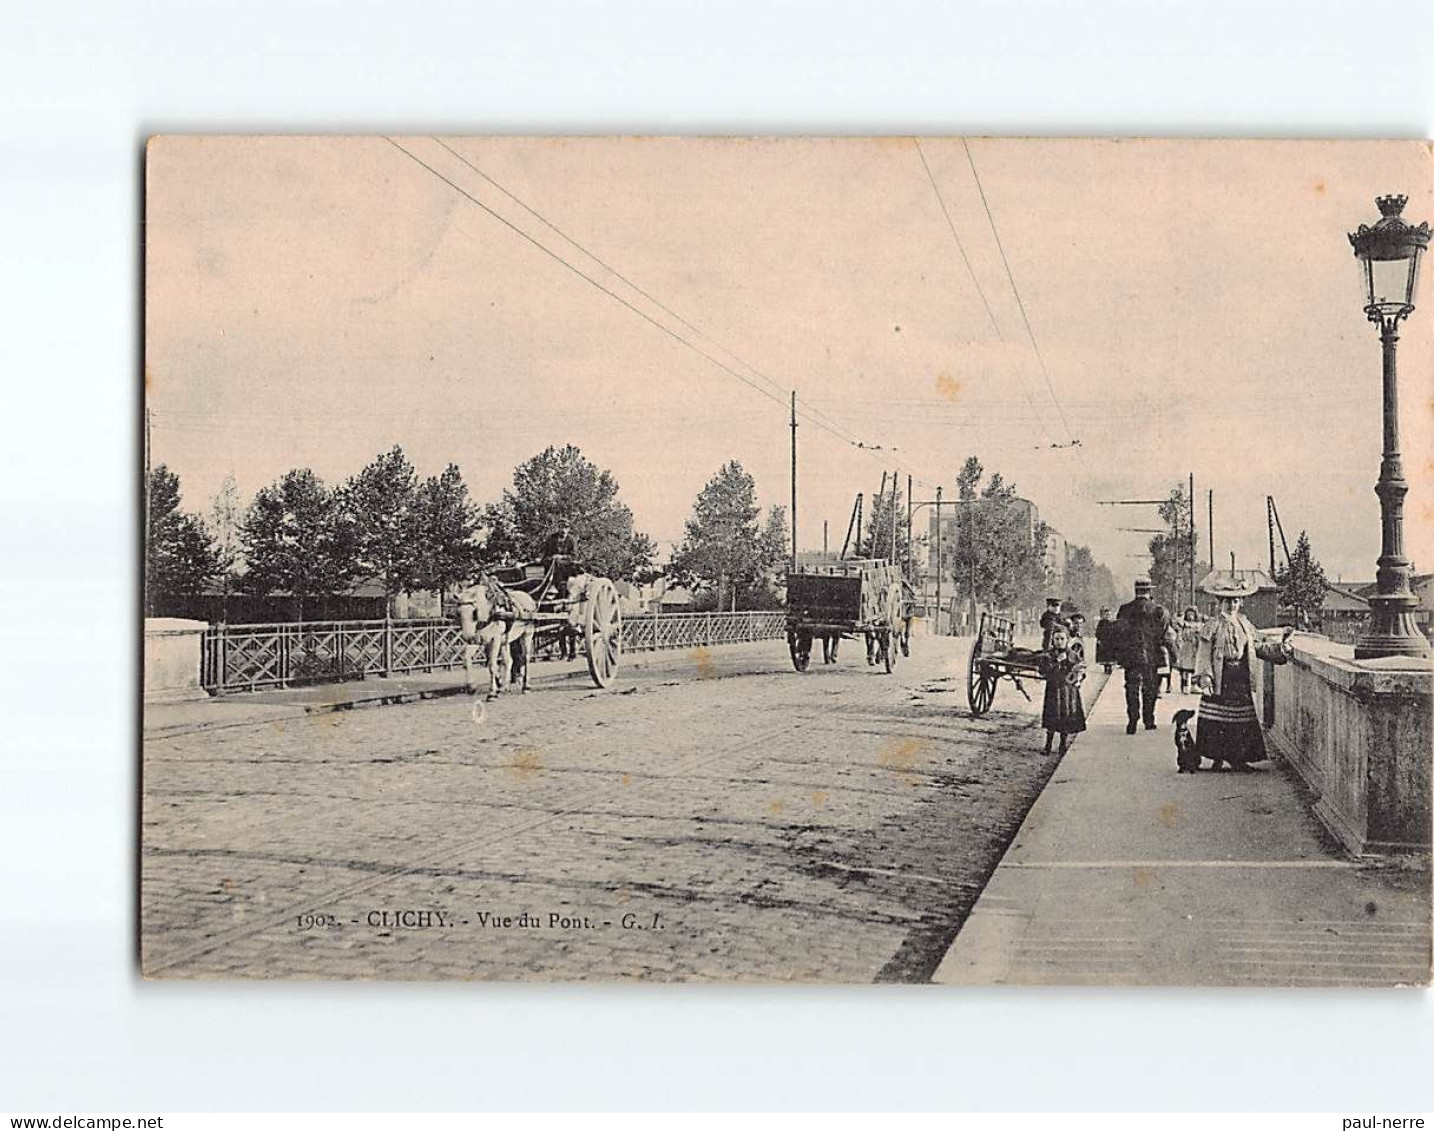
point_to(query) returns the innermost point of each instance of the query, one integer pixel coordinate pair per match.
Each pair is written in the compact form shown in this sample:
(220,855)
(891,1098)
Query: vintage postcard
(942,560)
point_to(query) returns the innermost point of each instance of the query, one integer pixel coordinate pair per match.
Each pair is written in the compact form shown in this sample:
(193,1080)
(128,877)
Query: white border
(86,83)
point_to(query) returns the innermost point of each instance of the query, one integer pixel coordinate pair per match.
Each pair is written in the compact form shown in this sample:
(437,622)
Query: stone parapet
(171,659)
(1359,733)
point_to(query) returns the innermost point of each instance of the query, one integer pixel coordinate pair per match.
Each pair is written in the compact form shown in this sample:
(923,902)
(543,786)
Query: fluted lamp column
(1389,255)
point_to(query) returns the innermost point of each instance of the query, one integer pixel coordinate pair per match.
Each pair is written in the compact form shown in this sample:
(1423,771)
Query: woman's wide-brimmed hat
(1230,587)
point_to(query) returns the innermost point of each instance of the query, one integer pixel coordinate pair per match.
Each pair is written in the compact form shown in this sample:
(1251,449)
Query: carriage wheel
(800,645)
(980,683)
(602,631)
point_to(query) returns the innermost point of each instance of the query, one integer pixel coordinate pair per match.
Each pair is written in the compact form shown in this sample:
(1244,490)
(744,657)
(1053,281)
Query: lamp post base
(1392,631)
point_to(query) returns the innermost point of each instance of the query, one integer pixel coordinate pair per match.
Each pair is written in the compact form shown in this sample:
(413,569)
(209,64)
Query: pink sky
(311,302)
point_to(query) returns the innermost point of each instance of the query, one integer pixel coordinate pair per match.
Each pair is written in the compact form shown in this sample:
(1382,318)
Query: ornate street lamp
(1389,255)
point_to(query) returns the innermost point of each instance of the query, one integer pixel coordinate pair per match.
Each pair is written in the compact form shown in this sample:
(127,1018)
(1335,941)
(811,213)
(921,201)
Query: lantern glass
(1389,283)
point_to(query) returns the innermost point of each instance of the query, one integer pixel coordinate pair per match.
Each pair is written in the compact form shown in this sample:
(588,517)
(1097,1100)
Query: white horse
(502,621)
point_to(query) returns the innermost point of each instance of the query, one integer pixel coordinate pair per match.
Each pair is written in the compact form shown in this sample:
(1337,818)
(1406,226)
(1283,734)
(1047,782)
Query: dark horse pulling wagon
(834,601)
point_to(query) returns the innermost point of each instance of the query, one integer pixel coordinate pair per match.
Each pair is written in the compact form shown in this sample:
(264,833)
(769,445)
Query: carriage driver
(560,544)
(560,553)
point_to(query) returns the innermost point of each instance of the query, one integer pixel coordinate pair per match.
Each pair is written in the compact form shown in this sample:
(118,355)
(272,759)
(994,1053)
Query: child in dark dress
(1062,712)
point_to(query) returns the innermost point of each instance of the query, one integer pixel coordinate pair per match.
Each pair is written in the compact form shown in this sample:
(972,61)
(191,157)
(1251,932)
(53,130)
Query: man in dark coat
(1143,629)
(1049,619)
(560,543)
(560,552)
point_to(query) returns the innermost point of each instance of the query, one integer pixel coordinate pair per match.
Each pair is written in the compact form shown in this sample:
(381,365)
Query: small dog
(1186,759)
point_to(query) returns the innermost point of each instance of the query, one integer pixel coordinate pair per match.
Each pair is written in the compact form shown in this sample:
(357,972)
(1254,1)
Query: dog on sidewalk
(1186,760)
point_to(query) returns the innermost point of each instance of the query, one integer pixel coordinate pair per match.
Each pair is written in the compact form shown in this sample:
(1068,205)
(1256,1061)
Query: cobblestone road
(714,816)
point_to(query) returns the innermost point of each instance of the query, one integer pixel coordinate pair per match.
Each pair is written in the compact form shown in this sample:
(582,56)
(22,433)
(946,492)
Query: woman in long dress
(1228,731)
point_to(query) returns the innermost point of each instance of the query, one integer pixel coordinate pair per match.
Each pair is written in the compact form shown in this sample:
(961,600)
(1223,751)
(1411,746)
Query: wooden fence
(250,657)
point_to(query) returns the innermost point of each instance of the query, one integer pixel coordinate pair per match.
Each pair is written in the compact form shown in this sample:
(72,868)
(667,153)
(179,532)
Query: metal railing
(650,632)
(251,657)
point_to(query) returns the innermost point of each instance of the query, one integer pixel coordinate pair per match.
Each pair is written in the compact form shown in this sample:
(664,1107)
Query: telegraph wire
(959,245)
(868,449)
(1020,303)
(812,415)
(582,275)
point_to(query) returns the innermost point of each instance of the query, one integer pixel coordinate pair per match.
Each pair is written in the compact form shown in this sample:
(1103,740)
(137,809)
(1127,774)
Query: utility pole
(794,479)
(1210,524)
(1270,526)
(910,564)
(939,568)
(1192,538)
(893,518)
(876,504)
(824,537)
(853,524)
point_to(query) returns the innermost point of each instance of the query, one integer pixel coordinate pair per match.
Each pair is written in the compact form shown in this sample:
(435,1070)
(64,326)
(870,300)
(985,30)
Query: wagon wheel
(980,683)
(890,636)
(800,645)
(602,631)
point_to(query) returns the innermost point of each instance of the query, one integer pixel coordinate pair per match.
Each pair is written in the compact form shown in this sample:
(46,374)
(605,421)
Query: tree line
(388,526)
(307,541)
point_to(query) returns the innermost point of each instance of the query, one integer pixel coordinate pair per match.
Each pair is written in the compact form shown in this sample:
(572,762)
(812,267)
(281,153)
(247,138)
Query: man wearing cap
(1143,631)
(1049,619)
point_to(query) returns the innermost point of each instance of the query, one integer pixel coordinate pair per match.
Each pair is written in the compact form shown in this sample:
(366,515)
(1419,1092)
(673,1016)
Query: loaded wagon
(833,601)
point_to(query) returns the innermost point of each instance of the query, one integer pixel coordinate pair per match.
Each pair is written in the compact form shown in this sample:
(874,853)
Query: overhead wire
(805,411)
(1082,485)
(827,425)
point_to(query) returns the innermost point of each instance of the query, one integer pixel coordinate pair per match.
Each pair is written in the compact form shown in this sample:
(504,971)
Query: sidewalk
(249,708)
(245,708)
(1127,873)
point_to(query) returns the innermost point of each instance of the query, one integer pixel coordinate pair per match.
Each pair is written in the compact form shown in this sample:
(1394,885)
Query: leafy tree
(725,550)
(999,557)
(226,516)
(379,506)
(1170,552)
(293,541)
(1089,584)
(775,553)
(445,528)
(179,559)
(968,478)
(559,485)
(1302,582)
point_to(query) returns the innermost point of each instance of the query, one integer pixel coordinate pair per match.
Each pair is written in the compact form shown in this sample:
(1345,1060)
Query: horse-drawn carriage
(835,601)
(511,608)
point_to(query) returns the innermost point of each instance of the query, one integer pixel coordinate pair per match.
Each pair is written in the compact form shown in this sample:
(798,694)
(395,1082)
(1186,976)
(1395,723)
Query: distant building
(958,516)
(1342,614)
(816,557)
(1055,560)
(946,534)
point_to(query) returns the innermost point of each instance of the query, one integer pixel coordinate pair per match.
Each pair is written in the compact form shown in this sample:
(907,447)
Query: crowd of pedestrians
(1212,655)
